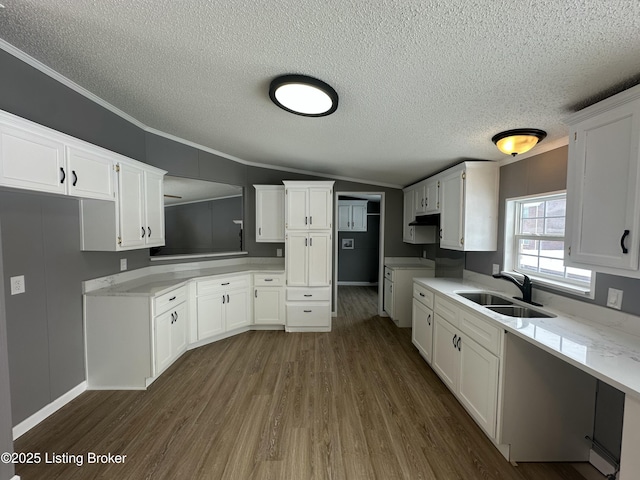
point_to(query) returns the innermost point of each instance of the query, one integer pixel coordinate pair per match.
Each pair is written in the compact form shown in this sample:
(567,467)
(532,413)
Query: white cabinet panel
(344,216)
(422,329)
(297,264)
(297,217)
(432,196)
(164,354)
(211,310)
(154,209)
(603,203)
(269,213)
(388,298)
(32,161)
(237,309)
(90,174)
(319,259)
(268,306)
(131,206)
(446,360)
(478,384)
(452,217)
(352,215)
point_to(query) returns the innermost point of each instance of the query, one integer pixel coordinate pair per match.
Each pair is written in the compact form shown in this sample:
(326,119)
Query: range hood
(428,220)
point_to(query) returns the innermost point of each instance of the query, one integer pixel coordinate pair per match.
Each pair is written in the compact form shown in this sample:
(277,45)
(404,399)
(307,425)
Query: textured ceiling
(422,84)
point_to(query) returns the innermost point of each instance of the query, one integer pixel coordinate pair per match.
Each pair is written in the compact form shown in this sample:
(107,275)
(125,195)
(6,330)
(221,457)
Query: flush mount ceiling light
(303,95)
(520,140)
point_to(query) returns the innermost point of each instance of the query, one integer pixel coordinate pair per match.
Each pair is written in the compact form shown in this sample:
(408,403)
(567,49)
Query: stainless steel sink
(485,298)
(519,311)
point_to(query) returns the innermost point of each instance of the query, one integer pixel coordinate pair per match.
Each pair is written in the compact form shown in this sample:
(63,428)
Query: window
(534,243)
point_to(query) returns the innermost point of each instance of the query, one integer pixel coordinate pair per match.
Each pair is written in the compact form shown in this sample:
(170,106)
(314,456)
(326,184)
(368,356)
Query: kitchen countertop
(607,353)
(156,283)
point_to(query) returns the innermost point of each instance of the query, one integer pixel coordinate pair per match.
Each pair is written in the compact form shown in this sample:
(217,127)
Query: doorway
(359,242)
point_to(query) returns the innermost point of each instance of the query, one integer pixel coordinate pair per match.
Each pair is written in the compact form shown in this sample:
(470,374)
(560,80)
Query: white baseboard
(26,425)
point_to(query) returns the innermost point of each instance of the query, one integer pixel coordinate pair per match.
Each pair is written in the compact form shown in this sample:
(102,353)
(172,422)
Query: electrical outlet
(278,252)
(614,298)
(123,264)
(424,254)
(496,269)
(17,285)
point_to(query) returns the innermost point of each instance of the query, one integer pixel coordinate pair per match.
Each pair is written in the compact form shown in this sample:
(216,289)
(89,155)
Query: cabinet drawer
(312,314)
(166,301)
(309,294)
(480,330)
(213,285)
(388,273)
(447,310)
(423,295)
(268,279)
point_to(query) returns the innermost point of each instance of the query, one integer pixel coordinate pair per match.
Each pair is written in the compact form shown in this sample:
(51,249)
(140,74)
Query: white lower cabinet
(467,368)
(422,321)
(222,304)
(170,336)
(268,299)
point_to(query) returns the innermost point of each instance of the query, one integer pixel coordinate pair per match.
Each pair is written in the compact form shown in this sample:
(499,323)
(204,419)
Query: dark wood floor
(356,403)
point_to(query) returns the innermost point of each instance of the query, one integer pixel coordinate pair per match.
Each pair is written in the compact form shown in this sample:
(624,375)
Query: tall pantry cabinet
(308,262)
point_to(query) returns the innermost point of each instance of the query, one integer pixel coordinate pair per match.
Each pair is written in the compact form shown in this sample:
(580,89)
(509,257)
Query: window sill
(578,291)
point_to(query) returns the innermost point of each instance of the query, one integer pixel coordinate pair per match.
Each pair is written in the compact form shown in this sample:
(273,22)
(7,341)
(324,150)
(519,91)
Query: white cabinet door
(446,358)
(319,259)
(154,209)
(179,330)
(359,218)
(478,384)
(211,309)
(603,202)
(388,297)
(268,306)
(408,217)
(163,351)
(320,208)
(451,205)
(269,213)
(344,217)
(31,161)
(131,206)
(422,329)
(297,265)
(237,309)
(420,200)
(432,196)
(297,217)
(90,174)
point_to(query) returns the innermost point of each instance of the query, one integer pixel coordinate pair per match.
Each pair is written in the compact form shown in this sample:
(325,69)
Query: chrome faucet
(524,286)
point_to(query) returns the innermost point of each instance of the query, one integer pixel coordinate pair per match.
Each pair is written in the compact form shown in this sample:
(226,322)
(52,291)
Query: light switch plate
(614,298)
(278,252)
(17,285)
(495,269)
(123,264)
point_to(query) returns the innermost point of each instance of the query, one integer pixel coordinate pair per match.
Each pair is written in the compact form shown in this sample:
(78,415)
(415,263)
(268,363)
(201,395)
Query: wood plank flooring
(356,403)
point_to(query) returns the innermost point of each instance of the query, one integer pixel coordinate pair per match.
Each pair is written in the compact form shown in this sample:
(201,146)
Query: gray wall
(6,439)
(41,240)
(544,173)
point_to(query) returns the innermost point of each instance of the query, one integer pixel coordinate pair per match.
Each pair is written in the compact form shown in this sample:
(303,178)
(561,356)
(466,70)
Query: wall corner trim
(26,425)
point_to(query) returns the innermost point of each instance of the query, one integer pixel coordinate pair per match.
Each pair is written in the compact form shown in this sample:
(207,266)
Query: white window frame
(510,245)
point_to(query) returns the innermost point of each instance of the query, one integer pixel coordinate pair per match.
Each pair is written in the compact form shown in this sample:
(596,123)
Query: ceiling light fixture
(302,95)
(520,140)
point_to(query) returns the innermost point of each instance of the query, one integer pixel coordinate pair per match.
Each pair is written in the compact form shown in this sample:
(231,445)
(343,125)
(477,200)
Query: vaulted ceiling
(423,84)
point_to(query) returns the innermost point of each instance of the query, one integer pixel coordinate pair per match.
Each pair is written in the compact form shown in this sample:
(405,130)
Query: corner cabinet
(469,207)
(603,199)
(135,220)
(269,213)
(308,259)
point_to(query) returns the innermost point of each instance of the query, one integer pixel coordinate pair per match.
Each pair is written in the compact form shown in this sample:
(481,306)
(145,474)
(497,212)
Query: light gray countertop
(603,351)
(156,283)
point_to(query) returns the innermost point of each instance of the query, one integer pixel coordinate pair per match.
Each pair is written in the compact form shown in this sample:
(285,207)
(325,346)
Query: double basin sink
(503,305)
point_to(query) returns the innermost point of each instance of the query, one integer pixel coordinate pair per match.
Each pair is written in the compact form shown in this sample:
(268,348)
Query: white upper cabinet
(31,160)
(308,207)
(352,215)
(34,157)
(432,196)
(420,234)
(269,213)
(603,199)
(469,207)
(89,174)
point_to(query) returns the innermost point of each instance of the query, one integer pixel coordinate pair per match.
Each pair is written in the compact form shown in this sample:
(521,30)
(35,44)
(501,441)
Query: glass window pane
(528,246)
(552,266)
(532,210)
(551,249)
(532,226)
(578,274)
(528,262)
(556,207)
(554,226)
